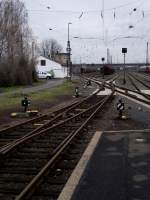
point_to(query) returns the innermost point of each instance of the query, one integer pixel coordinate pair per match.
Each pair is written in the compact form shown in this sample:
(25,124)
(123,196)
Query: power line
(86,11)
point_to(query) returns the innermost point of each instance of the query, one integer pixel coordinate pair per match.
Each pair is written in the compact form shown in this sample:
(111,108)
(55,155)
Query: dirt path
(48,84)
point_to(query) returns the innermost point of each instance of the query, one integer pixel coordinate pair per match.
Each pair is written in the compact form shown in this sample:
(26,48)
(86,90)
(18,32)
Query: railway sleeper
(15,177)
(41,141)
(75,152)
(49,142)
(67,164)
(70,156)
(10,137)
(11,188)
(5,140)
(35,150)
(78,123)
(21,155)
(20,169)
(42,145)
(57,180)
(45,189)
(6,197)
(39,145)
(9,133)
(52,135)
(2,144)
(24,164)
(20,172)
(34,155)
(24,130)
(43,197)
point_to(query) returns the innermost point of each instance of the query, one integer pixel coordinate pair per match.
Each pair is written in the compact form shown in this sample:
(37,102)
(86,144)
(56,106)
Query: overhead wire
(84,11)
(81,13)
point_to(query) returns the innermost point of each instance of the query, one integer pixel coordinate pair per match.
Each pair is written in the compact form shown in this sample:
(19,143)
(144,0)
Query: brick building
(61,58)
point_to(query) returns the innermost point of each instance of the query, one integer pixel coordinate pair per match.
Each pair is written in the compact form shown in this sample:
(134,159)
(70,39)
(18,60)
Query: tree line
(49,48)
(17,60)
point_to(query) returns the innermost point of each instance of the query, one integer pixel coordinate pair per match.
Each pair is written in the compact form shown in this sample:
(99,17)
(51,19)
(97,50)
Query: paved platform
(119,168)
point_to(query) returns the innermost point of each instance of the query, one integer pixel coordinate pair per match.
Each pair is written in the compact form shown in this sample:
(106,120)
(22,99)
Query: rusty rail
(30,188)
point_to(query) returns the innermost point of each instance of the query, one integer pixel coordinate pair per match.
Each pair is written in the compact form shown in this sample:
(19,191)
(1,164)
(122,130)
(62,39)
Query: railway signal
(25,103)
(124,51)
(102,69)
(103,59)
(76,92)
(120,108)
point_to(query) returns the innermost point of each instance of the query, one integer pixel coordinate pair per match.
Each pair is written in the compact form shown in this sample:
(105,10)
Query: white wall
(58,70)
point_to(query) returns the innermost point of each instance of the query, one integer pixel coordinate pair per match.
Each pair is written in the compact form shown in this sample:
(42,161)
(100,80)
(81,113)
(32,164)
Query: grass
(18,88)
(10,89)
(12,100)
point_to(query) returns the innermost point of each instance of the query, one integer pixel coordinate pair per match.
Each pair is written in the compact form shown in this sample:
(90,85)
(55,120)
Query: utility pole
(33,48)
(111,60)
(103,18)
(147,52)
(108,54)
(69,70)
(124,51)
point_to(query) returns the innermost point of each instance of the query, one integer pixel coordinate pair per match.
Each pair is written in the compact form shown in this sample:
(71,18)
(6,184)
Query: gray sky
(97,30)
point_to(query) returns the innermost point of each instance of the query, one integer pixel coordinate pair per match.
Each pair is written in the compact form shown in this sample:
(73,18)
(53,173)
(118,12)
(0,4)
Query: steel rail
(109,79)
(24,139)
(36,118)
(132,82)
(49,123)
(126,90)
(113,79)
(147,86)
(137,88)
(132,96)
(101,81)
(30,188)
(145,77)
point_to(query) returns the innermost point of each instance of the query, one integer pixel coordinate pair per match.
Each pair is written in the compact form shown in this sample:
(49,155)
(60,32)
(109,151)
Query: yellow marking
(38,124)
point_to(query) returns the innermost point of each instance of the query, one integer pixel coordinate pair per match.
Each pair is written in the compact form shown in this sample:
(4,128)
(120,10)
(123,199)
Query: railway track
(136,95)
(28,164)
(143,76)
(33,125)
(135,77)
(14,134)
(110,78)
(132,80)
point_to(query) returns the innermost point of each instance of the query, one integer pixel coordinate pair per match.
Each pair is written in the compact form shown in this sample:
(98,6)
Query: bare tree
(49,48)
(15,44)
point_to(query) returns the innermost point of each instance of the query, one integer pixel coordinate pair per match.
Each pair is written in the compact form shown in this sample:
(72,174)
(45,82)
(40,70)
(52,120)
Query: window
(43,62)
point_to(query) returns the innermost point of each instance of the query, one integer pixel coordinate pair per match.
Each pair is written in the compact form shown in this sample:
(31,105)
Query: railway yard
(83,150)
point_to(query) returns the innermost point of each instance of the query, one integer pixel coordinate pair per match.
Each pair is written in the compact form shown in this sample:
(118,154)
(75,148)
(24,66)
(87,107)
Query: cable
(88,11)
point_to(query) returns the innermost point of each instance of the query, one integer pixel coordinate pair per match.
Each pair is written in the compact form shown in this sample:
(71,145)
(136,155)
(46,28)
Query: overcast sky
(124,23)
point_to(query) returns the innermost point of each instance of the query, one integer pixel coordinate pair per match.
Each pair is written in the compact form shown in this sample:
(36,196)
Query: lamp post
(124,51)
(50,53)
(69,70)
